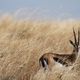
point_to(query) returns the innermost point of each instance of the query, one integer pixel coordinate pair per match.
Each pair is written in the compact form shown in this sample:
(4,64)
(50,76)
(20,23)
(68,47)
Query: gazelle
(49,59)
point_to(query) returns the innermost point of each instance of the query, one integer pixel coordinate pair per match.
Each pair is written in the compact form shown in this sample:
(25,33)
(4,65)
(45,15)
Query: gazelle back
(49,59)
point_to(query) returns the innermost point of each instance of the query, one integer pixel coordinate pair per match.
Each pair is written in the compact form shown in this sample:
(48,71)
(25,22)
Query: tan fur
(49,59)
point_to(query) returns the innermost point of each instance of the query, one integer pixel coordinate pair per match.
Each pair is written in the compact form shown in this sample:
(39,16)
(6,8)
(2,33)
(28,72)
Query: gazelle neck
(74,55)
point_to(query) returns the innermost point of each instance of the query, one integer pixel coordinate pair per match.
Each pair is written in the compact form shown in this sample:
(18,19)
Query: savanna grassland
(23,42)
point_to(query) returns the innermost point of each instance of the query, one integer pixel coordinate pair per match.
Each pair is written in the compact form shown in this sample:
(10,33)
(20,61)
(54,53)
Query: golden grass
(23,42)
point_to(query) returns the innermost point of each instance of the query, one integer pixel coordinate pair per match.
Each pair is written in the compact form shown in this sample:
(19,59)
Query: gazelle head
(76,41)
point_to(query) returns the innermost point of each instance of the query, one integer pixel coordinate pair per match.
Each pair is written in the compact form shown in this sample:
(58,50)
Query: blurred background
(41,9)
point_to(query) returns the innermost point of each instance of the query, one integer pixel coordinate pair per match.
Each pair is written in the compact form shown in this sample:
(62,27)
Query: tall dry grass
(23,42)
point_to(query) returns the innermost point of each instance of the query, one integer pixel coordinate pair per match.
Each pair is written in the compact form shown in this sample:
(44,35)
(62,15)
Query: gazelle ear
(72,42)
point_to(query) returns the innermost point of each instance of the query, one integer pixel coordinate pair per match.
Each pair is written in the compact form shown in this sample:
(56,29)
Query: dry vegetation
(23,42)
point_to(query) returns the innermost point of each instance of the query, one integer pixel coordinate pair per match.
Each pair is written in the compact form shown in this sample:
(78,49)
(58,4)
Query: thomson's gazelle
(49,59)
